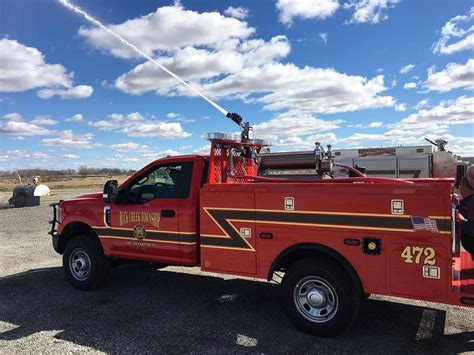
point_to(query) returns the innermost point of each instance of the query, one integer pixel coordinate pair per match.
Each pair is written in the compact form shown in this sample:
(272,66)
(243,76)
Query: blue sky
(347,72)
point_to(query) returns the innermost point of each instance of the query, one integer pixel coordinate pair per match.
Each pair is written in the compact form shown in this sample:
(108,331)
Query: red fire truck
(335,240)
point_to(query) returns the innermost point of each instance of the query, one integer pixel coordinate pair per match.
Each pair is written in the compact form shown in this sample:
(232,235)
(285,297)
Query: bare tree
(83,170)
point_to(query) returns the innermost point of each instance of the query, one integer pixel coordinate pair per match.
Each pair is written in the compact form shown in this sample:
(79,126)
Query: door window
(160,182)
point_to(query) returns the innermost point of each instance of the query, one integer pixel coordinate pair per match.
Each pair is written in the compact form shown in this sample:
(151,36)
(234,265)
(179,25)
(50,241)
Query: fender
(78,213)
(308,249)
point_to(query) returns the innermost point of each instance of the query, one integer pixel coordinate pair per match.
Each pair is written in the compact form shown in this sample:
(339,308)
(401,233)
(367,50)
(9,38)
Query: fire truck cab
(333,240)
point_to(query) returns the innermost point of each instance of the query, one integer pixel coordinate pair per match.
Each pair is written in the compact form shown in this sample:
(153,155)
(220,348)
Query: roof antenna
(246,128)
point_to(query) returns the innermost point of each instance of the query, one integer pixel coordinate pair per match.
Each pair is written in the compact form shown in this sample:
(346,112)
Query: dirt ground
(183,310)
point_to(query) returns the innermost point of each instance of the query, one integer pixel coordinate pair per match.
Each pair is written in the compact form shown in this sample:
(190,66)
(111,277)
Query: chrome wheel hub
(315,299)
(79,264)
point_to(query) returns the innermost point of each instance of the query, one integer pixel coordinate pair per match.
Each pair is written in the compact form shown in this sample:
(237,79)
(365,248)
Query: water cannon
(235,117)
(247,130)
(439,143)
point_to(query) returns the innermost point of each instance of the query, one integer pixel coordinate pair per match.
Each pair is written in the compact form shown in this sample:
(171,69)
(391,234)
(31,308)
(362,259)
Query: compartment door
(228,240)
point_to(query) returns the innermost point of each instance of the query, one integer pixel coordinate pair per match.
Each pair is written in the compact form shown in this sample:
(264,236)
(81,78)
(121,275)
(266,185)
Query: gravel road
(184,310)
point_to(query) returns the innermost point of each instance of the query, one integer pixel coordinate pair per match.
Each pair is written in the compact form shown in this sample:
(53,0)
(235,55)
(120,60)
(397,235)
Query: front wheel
(320,297)
(84,264)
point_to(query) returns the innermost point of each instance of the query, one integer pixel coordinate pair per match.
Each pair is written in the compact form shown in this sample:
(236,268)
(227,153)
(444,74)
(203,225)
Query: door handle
(266,235)
(168,213)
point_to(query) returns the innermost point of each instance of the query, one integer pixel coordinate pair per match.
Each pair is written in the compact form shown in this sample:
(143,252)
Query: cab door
(144,223)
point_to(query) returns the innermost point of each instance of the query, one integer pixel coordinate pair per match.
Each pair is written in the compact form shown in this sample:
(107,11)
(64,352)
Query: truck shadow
(166,311)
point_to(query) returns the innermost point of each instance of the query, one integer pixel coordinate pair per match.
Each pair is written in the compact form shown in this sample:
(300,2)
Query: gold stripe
(307,212)
(228,248)
(215,236)
(148,230)
(323,212)
(223,231)
(226,236)
(146,240)
(337,226)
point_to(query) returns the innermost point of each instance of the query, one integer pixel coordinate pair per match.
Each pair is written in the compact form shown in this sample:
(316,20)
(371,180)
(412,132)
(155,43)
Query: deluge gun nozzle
(246,134)
(235,117)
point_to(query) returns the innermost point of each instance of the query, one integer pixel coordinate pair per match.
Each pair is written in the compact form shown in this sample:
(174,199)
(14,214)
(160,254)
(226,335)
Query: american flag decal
(424,224)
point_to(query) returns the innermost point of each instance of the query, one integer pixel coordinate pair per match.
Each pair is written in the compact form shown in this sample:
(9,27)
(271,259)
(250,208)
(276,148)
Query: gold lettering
(142,217)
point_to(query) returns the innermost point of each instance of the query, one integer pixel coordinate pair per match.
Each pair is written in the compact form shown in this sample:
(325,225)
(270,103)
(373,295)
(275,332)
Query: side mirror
(110,191)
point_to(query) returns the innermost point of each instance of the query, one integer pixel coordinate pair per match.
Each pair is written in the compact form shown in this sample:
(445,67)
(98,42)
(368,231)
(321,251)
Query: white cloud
(150,156)
(23,68)
(324,37)
(71,156)
(306,9)
(163,130)
(203,150)
(369,11)
(361,137)
(135,125)
(454,38)
(454,76)
(23,154)
(77,92)
(178,117)
(305,143)
(127,147)
(44,121)
(314,90)
(434,122)
(169,28)
(459,111)
(237,12)
(198,64)
(400,107)
(14,116)
(234,67)
(407,68)
(13,125)
(422,104)
(122,158)
(76,118)
(68,140)
(172,115)
(293,124)
(117,121)
(410,85)
(375,124)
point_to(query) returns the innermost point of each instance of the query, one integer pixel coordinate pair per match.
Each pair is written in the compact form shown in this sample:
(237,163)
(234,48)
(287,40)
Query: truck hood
(87,197)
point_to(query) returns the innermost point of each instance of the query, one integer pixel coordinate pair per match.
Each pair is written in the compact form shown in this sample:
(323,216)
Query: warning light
(372,246)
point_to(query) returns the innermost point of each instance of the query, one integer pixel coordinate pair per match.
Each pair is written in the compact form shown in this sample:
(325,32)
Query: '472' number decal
(414,255)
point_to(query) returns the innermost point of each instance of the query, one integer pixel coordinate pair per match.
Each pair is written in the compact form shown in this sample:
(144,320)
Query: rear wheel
(320,297)
(84,264)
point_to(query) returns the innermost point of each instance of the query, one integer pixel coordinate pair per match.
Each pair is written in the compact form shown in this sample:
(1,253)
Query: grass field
(62,182)
(62,187)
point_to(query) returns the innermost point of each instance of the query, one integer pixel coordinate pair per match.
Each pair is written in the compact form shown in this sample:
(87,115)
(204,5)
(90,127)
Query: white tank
(41,190)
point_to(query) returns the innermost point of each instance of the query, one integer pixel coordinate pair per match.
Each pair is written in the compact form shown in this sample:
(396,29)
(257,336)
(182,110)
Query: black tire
(334,301)
(84,264)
